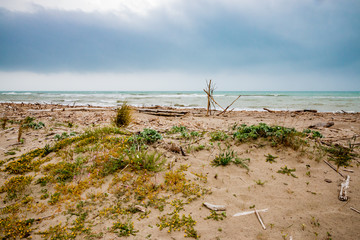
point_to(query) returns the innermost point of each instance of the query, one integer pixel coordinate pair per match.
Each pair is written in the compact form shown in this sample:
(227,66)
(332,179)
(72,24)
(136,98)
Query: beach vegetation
(124,229)
(123,116)
(29,122)
(54,198)
(150,136)
(14,228)
(147,136)
(216,216)
(340,155)
(44,180)
(176,182)
(63,136)
(10,153)
(185,133)
(312,134)
(178,129)
(223,158)
(270,158)
(277,135)
(229,156)
(62,171)
(173,222)
(15,186)
(218,136)
(315,222)
(4,120)
(260,183)
(195,148)
(287,171)
(143,160)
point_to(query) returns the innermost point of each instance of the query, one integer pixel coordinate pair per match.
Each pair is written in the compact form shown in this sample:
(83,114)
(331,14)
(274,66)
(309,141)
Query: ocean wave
(16,93)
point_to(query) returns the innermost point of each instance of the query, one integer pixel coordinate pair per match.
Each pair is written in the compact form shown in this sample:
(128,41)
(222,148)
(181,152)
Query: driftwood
(260,220)
(327,125)
(7,130)
(209,91)
(140,208)
(355,210)
(343,190)
(214,207)
(165,113)
(271,111)
(306,110)
(214,102)
(348,170)
(249,212)
(229,105)
(70,109)
(334,168)
(182,151)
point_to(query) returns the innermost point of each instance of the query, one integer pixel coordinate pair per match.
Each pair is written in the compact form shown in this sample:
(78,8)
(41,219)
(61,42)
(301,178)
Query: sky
(265,45)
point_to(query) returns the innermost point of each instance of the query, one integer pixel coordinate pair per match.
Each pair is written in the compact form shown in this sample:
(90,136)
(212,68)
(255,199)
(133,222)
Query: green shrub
(54,198)
(147,136)
(124,229)
(150,135)
(223,159)
(226,157)
(342,156)
(178,129)
(278,135)
(15,185)
(28,122)
(153,162)
(218,136)
(63,171)
(111,165)
(123,116)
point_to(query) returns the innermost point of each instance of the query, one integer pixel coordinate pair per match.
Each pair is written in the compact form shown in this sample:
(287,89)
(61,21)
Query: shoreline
(173,107)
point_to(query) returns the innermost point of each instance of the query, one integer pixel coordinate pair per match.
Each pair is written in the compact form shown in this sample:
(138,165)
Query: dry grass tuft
(123,116)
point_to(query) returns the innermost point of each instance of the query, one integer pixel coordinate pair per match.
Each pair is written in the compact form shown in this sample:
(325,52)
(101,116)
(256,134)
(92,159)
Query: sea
(322,101)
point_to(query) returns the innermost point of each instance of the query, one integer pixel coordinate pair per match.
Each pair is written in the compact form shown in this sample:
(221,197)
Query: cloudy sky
(178,44)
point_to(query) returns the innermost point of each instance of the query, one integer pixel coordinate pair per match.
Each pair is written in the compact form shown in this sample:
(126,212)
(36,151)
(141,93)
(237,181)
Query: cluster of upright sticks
(210,87)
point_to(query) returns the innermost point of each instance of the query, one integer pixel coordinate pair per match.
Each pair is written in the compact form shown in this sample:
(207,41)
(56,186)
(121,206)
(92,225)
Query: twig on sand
(354,209)
(39,219)
(334,168)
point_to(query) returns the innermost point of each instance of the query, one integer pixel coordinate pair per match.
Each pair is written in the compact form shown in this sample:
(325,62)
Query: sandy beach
(301,204)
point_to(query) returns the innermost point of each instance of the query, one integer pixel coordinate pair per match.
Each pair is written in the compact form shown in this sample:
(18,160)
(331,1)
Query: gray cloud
(200,38)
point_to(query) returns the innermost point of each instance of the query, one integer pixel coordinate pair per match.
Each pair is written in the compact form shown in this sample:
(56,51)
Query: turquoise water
(249,100)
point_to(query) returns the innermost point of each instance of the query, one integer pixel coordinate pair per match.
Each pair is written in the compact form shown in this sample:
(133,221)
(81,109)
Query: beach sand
(305,207)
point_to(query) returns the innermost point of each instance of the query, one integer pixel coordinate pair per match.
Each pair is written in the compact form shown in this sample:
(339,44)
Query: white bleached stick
(249,212)
(260,220)
(215,207)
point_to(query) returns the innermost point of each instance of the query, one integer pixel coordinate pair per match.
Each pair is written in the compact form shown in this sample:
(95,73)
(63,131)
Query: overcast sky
(177,45)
